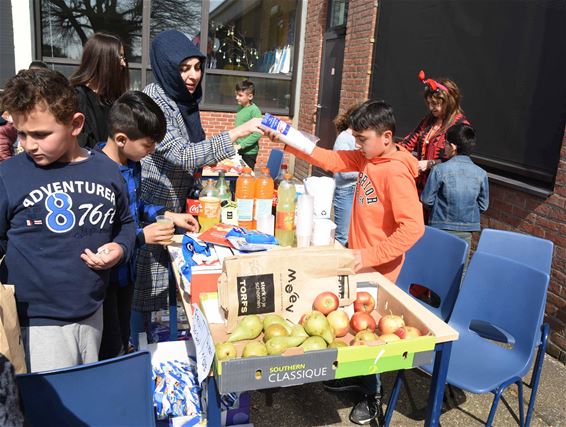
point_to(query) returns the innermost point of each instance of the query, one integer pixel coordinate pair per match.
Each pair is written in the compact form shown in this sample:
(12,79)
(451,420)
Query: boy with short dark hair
(64,222)
(387,217)
(457,191)
(247,147)
(135,125)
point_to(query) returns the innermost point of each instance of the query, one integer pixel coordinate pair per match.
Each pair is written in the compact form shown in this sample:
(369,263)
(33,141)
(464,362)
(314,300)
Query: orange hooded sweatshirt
(387,216)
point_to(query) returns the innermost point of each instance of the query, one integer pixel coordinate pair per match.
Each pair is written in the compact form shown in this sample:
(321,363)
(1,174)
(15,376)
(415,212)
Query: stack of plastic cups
(305,214)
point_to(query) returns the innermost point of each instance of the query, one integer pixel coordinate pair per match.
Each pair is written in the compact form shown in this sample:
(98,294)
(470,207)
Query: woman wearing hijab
(178,67)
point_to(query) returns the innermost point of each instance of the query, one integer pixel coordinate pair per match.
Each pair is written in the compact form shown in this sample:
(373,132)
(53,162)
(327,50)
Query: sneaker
(367,410)
(344,384)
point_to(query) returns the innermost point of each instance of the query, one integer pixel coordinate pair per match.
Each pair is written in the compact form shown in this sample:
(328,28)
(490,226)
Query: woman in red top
(427,141)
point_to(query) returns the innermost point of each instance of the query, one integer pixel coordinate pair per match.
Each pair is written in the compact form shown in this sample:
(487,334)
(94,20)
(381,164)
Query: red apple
(408,332)
(302,319)
(326,302)
(364,302)
(389,323)
(361,321)
(389,337)
(339,322)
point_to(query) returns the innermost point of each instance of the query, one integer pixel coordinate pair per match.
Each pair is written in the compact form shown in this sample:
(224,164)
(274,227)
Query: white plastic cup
(305,214)
(304,241)
(266,224)
(324,232)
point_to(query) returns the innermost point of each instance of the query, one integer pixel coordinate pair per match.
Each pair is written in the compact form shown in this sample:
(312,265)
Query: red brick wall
(215,122)
(516,211)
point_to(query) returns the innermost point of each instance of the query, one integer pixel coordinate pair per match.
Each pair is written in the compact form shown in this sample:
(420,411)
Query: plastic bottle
(209,214)
(245,192)
(280,177)
(223,188)
(263,195)
(193,203)
(285,217)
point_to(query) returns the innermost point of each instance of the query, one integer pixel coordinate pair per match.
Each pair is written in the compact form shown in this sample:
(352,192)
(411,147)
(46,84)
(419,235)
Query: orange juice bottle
(209,214)
(263,195)
(245,191)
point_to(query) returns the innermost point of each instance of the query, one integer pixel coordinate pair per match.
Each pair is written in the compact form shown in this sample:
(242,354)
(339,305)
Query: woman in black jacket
(101,78)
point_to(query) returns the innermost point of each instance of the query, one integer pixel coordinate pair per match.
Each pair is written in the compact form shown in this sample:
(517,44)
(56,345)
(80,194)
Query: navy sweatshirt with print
(48,217)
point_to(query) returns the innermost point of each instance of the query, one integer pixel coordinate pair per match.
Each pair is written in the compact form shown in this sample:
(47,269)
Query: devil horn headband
(432,84)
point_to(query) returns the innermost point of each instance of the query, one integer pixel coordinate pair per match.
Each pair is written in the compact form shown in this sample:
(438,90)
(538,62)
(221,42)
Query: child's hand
(237,147)
(159,233)
(186,221)
(423,165)
(107,256)
(251,126)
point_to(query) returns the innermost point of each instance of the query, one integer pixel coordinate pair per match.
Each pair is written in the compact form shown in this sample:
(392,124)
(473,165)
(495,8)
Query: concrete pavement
(310,405)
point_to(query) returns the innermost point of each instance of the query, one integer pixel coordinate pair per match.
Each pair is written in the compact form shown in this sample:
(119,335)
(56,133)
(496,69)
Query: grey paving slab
(310,405)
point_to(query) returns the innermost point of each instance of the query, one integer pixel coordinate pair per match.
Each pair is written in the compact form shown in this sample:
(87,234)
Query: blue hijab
(168,50)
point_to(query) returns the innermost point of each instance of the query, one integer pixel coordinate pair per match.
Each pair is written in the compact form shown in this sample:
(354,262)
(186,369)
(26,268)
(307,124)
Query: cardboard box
(295,367)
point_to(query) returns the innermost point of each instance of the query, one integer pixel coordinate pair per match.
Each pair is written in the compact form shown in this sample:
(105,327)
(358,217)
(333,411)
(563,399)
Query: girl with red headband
(427,141)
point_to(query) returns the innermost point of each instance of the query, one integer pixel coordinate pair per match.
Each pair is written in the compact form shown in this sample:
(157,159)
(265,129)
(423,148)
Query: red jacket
(8,136)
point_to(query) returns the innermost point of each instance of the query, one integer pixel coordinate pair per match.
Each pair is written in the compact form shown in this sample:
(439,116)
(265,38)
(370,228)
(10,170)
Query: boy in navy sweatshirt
(64,223)
(135,124)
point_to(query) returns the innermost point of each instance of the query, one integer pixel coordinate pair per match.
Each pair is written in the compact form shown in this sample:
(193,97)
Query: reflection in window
(67,24)
(182,15)
(253,35)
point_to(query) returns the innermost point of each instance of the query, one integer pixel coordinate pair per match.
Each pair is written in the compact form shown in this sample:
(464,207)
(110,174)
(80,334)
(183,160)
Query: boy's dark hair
(138,116)
(31,88)
(374,115)
(463,137)
(245,86)
(36,65)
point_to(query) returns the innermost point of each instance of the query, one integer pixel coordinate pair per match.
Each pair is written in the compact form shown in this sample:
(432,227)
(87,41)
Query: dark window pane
(270,94)
(182,15)
(252,35)
(67,24)
(338,13)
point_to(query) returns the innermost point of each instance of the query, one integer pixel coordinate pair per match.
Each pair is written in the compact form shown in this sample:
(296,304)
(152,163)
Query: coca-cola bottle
(193,203)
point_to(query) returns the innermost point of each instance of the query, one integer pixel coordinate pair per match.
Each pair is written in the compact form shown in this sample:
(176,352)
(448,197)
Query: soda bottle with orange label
(209,214)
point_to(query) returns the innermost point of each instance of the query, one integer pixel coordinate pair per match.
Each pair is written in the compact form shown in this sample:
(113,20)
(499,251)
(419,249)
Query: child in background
(386,220)
(8,136)
(247,147)
(135,125)
(457,191)
(345,181)
(64,223)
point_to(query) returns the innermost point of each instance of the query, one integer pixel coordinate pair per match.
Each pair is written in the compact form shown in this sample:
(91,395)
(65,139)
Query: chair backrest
(274,162)
(504,293)
(529,250)
(435,262)
(114,392)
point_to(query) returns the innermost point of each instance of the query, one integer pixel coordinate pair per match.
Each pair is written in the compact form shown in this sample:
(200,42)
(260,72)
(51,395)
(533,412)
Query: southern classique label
(299,371)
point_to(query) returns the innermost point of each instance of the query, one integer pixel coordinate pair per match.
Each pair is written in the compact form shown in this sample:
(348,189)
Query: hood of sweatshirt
(399,155)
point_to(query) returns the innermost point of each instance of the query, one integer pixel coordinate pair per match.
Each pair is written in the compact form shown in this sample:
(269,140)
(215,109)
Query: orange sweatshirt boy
(387,216)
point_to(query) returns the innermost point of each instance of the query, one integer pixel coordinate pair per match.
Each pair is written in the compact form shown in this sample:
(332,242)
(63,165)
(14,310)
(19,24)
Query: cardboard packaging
(284,281)
(296,367)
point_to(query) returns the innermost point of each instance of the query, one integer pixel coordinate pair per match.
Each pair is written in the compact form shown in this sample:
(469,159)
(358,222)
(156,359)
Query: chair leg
(494,406)
(394,396)
(521,403)
(537,370)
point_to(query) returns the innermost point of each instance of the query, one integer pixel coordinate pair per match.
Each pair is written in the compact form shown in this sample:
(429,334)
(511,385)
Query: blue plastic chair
(114,392)
(436,262)
(510,295)
(274,162)
(523,248)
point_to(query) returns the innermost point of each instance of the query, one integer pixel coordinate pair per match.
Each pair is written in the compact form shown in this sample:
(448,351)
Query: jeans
(371,384)
(343,199)
(467,237)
